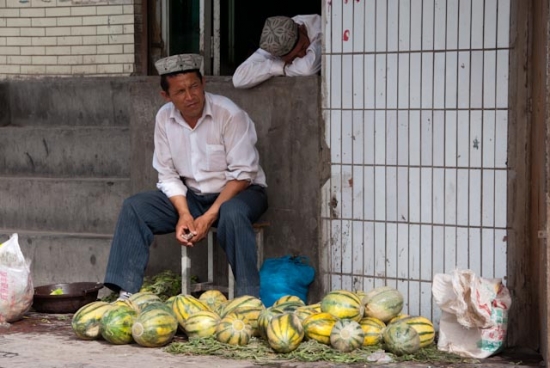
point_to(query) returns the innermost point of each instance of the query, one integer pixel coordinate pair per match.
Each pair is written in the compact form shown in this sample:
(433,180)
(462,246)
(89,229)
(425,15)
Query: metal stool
(188,288)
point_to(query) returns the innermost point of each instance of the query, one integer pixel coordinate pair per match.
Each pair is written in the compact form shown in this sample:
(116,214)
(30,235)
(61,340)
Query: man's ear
(165,95)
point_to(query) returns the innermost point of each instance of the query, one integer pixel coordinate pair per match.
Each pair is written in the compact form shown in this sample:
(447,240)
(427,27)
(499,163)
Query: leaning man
(208,175)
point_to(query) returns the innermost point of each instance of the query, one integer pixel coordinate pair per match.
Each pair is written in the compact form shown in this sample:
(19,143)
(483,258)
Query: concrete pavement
(47,341)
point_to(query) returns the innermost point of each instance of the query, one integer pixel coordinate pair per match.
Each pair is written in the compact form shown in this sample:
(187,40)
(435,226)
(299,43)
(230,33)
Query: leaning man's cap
(279,35)
(178,63)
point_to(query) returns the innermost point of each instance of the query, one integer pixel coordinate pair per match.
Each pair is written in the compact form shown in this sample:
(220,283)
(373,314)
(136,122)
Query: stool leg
(211,255)
(185,271)
(230,283)
(260,246)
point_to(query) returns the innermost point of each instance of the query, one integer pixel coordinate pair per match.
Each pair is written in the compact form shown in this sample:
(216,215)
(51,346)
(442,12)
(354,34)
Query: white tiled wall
(66,37)
(415,105)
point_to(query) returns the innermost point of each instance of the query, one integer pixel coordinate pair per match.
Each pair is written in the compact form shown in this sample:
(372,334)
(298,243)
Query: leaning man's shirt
(221,147)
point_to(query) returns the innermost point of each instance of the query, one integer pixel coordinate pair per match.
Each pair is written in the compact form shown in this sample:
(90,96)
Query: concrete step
(52,151)
(66,102)
(63,257)
(63,205)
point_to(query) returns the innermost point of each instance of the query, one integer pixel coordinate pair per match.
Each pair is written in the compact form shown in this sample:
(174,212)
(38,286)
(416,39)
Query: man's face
(186,92)
(300,50)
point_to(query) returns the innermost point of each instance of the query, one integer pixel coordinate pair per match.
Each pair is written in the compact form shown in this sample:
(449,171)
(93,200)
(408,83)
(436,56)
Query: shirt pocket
(215,157)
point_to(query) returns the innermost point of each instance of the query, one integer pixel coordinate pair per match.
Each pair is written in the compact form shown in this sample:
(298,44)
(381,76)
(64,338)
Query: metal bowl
(75,295)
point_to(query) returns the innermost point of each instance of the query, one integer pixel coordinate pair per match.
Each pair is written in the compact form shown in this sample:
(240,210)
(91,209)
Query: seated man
(288,46)
(208,175)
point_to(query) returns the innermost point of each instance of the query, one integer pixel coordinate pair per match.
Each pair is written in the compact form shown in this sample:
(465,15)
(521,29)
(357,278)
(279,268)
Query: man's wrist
(277,67)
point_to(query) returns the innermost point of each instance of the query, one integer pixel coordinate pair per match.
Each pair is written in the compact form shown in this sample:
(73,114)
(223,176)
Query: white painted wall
(415,105)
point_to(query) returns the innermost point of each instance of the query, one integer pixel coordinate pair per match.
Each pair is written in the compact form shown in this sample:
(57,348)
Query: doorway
(224,32)
(241,24)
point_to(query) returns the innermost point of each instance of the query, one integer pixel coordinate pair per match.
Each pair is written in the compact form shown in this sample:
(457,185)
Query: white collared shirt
(261,65)
(220,148)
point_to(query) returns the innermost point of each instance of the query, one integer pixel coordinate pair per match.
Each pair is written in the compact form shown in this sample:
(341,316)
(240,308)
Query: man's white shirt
(220,148)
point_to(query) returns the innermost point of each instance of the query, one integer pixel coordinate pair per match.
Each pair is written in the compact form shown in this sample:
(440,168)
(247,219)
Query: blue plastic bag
(287,275)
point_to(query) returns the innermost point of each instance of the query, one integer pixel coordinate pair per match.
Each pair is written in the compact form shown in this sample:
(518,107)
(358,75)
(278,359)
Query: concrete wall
(67,37)
(63,200)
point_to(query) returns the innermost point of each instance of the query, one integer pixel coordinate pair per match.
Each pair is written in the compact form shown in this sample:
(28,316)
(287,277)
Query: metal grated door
(415,105)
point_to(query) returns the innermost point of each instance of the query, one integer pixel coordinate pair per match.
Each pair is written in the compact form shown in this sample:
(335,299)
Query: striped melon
(398,317)
(202,324)
(127,303)
(241,301)
(289,306)
(213,298)
(343,304)
(285,332)
(219,308)
(233,329)
(186,305)
(383,303)
(251,314)
(423,326)
(401,339)
(319,326)
(264,318)
(373,329)
(158,305)
(316,307)
(289,298)
(304,312)
(346,335)
(170,302)
(142,298)
(86,320)
(154,327)
(116,324)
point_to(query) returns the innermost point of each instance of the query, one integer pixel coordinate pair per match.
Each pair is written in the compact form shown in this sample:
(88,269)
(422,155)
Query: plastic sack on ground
(474,313)
(16,287)
(287,275)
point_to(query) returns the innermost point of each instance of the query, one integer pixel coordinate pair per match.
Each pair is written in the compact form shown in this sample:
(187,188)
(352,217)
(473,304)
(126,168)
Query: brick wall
(66,38)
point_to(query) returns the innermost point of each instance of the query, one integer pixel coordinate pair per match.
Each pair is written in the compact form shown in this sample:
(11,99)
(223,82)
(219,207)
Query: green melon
(343,304)
(401,339)
(142,298)
(318,327)
(238,302)
(116,324)
(86,320)
(202,324)
(185,305)
(383,303)
(346,335)
(263,320)
(285,333)
(233,329)
(373,329)
(154,327)
(288,298)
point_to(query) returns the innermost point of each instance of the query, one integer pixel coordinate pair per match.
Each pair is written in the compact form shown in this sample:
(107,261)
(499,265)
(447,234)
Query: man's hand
(202,225)
(186,230)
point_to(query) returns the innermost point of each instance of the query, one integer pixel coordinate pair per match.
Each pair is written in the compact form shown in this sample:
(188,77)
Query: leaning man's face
(186,92)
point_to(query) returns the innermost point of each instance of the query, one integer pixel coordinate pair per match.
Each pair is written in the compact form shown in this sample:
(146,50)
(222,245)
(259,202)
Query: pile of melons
(343,319)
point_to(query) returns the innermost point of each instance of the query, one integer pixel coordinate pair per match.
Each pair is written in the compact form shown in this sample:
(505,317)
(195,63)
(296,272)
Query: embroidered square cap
(178,63)
(279,35)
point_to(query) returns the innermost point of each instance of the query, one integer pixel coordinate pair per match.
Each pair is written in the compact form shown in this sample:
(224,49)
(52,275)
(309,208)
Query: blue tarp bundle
(283,276)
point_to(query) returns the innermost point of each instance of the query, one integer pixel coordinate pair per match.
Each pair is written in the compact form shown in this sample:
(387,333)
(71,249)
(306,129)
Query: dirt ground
(47,341)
